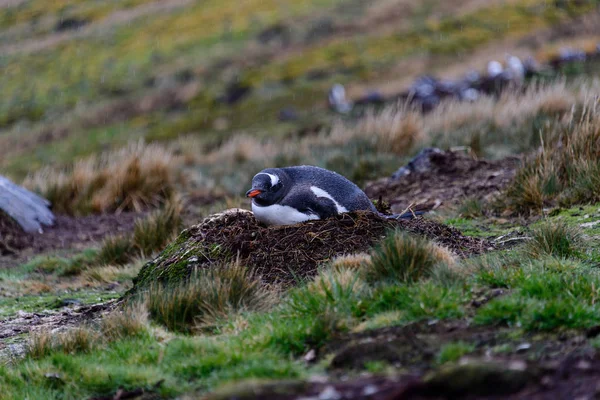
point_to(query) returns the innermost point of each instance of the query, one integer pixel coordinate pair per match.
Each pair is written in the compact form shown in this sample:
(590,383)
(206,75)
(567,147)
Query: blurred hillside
(80,77)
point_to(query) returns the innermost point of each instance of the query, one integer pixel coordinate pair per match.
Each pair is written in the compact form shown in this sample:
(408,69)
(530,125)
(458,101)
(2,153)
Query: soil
(12,237)
(45,321)
(68,233)
(452,178)
(529,367)
(285,253)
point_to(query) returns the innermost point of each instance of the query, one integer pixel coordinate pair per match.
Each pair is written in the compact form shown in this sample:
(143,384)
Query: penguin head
(267,187)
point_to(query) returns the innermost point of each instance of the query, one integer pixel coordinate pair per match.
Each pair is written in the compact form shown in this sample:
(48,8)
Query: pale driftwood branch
(28,209)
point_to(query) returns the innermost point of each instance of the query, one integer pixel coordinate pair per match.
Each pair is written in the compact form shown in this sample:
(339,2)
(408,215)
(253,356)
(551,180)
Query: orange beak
(253,193)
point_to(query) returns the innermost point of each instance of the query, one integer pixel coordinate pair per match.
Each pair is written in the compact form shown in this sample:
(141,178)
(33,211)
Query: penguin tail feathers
(406,215)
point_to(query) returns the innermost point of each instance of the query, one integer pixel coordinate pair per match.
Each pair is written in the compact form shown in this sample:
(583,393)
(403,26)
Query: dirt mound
(282,254)
(449,178)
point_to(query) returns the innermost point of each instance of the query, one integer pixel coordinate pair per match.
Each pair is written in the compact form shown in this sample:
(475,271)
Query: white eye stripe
(274,178)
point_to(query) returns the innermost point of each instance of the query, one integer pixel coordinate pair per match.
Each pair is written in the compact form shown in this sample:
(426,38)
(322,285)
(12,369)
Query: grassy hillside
(138,118)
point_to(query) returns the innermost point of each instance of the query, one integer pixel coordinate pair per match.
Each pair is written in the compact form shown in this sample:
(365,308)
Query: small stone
(523,347)
(310,356)
(547,382)
(369,390)
(318,379)
(517,365)
(583,365)
(330,393)
(23,314)
(589,224)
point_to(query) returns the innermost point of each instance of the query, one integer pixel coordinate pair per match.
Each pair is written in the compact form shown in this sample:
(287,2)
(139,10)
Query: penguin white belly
(280,215)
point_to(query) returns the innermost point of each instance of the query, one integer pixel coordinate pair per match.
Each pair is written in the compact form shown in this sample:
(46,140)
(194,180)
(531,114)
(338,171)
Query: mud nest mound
(444,178)
(12,237)
(284,254)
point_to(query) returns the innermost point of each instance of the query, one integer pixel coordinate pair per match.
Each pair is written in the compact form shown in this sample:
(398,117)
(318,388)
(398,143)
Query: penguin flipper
(306,203)
(323,207)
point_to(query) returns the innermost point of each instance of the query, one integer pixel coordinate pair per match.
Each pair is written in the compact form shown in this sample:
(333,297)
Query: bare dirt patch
(451,178)
(284,254)
(24,323)
(68,233)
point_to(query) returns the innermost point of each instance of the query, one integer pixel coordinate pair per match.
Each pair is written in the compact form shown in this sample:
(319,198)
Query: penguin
(290,195)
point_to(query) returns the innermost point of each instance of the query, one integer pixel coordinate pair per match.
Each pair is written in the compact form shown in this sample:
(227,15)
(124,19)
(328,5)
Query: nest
(287,253)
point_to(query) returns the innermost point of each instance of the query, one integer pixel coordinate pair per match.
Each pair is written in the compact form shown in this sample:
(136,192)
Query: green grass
(109,66)
(402,257)
(40,302)
(208,297)
(452,352)
(543,294)
(219,329)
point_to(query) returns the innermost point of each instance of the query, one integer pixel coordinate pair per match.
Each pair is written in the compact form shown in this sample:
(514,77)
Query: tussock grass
(331,287)
(354,262)
(209,296)
(369,147)
(329,302)
(471,208)
(554,238)
(150,235)
(134,178)
(394,129)
(129,322)
(566,171)
(75,340)
(116,250)
(111,273)
(155,232)
(404,258)
(40,344)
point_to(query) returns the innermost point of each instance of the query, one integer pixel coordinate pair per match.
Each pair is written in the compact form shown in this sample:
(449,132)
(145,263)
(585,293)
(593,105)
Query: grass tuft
(555,239)
(353,262)
(471,208)
(134,178)
(121,324)
(452,352)
(403,258)
(76,340)
(208,297)
(150,234)
(154,232)
(40,344)
(565,172)
(116,250)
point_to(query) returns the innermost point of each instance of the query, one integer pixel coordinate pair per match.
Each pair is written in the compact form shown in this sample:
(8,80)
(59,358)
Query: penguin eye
(276,187)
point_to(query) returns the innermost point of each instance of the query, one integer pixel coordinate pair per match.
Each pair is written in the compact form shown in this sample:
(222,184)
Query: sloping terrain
(142,121)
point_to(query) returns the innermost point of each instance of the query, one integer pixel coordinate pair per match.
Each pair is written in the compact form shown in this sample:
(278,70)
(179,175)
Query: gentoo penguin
(285,196)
